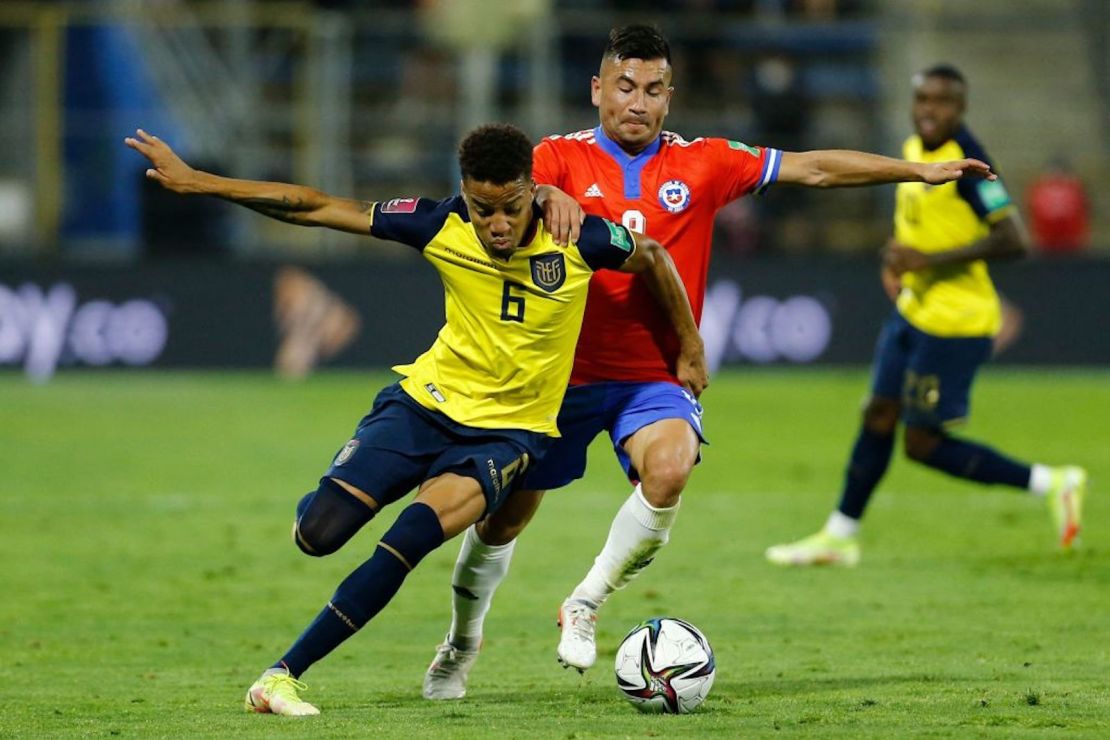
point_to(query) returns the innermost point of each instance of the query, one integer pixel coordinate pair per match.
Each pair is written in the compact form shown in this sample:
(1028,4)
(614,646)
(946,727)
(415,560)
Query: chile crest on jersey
(674,195)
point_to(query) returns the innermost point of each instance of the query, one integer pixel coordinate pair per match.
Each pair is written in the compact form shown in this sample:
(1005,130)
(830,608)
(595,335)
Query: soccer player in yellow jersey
(474,411)
(930,348)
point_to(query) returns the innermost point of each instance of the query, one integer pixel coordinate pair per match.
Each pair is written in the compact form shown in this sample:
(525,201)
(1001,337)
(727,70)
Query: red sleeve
(742,169)
(547,165)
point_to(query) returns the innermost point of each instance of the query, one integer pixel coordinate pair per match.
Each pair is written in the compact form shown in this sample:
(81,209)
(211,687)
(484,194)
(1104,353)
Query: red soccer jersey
(671,191)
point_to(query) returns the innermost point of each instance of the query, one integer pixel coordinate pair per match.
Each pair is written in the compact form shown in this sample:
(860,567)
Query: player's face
(501,214)
(938,109)
(633,97)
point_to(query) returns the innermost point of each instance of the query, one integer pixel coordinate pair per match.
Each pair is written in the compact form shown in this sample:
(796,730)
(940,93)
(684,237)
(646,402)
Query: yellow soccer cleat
(818,549)
(1065,502)
(276,693)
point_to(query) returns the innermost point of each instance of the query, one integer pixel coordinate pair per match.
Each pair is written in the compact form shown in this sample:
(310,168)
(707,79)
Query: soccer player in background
(624,380)
(470,414)
(940,332)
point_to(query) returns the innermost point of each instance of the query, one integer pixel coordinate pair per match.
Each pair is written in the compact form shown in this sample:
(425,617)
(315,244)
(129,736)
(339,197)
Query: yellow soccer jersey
(503,358)
(958,300)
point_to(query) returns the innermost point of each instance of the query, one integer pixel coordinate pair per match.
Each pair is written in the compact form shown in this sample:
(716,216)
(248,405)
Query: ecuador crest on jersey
(549,271)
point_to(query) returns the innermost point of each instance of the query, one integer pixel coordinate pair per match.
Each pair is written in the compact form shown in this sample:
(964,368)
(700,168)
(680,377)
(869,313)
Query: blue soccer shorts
(400,444)
(930,375)
(623,409)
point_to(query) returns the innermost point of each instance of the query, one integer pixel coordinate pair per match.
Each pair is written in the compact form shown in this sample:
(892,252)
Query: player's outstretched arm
(293,204)
(656,266)
(841,168)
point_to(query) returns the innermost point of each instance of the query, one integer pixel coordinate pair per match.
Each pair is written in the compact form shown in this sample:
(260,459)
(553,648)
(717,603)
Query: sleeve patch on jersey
(993,194)
(400,205)
(619,236)
(549,271)
(752,150)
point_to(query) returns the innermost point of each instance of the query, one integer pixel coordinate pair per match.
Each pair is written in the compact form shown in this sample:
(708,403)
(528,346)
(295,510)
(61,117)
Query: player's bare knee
(881,415)
(496,533)
(662,483)
(920,442)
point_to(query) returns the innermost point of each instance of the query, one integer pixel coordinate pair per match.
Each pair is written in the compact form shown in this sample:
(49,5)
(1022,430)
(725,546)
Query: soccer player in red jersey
(624,379)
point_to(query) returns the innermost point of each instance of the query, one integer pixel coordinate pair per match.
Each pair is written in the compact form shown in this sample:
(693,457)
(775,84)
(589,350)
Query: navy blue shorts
(623,409)
(931,375)
(400,444)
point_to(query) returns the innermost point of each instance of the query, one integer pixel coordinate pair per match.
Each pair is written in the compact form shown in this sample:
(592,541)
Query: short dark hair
(496,153)
(637,41)
(945,71)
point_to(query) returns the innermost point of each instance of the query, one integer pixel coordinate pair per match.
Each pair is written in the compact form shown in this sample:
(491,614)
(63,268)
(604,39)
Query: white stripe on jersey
(773,156)
(586,136)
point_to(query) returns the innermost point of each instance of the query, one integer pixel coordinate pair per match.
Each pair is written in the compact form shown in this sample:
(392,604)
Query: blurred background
(368,99)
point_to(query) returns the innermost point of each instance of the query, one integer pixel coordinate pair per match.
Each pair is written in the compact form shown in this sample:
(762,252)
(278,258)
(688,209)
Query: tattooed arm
(293,204)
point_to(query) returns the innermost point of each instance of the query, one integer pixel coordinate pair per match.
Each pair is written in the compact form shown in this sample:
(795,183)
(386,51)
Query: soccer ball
(665,665)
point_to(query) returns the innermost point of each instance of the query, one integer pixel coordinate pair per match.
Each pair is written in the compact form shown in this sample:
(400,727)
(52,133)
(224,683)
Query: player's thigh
(581,418)
(391,451)
(457,500)
(659,425)
(936,391)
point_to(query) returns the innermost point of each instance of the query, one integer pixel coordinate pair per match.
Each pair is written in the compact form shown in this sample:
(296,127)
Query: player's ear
(595,91)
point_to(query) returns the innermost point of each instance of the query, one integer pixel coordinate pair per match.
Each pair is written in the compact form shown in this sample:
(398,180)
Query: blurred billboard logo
(315,324)
(762,329)
(44,328)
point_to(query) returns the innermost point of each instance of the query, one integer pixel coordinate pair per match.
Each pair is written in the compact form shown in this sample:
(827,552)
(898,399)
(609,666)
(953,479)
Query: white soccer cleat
(276,693)
(446,676)
(578,643)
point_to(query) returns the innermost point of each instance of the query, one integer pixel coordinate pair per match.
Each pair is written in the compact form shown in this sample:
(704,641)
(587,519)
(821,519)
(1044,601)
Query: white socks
(1040,480)
(841,525)
(638,531)
(479,570)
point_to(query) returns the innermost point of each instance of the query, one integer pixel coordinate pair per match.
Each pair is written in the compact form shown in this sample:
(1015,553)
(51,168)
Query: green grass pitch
(148,574)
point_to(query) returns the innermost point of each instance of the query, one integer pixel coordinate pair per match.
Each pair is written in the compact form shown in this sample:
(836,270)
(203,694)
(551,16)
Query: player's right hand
(169,170)
(693,370)
(562,215)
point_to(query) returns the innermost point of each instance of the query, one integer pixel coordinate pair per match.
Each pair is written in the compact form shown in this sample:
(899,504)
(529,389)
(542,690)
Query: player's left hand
(562,215)
(898,259)
(692,369)
(939,173)
(892,282)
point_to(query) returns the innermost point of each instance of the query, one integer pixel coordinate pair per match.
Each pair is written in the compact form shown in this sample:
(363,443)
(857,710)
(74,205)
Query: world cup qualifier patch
(549,271)
(400,205)
(675,196)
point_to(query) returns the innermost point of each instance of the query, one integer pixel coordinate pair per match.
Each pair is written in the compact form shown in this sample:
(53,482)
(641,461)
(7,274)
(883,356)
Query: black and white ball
(665,665)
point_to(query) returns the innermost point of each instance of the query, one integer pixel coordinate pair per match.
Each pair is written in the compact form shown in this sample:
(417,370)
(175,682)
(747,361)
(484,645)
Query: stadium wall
(212,314)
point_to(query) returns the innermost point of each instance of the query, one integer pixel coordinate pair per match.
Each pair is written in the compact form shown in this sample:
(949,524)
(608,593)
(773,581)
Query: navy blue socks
(869,461)
(369,588)
(977,462)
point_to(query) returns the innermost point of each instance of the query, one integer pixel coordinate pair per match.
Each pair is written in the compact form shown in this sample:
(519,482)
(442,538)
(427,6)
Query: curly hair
(637,41)
(944,71)
(496,153)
